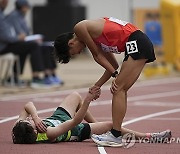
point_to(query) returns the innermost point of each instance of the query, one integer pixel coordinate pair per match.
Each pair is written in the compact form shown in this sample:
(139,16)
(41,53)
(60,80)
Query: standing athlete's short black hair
(61,48)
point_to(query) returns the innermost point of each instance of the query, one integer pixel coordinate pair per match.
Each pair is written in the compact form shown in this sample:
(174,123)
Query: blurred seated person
(10,42)
(153,29)
(17,19)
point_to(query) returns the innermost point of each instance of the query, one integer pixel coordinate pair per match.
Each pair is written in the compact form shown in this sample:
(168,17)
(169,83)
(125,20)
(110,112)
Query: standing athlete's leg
(102,127)
(129,73)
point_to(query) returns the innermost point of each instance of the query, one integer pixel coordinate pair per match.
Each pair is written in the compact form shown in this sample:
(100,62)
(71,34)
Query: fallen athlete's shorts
(79,133)
(139,46)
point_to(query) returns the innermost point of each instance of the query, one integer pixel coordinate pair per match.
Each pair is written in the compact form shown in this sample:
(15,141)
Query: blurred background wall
(51,17)
(98,8)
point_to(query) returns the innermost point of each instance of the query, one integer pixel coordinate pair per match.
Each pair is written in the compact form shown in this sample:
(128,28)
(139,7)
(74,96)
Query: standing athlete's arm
(82,33)
(107,75)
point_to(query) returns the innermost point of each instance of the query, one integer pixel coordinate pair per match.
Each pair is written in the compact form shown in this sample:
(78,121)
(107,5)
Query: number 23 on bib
(131,47)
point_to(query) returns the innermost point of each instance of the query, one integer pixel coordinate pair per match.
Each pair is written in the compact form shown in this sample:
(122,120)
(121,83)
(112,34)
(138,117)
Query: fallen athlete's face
(76,47)
(31,122)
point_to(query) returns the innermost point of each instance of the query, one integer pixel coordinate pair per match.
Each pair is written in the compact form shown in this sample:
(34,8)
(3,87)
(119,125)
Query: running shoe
(47,81)
(41,84)
(107,139)
(56,80)
(160,137)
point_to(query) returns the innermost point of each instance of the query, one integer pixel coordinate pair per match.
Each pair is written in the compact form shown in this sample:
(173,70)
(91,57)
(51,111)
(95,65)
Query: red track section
(160,99)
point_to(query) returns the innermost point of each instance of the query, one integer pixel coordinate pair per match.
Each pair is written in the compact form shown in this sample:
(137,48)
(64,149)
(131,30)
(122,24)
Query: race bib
(131,47)
(121,22)
(107,48)
(54,122)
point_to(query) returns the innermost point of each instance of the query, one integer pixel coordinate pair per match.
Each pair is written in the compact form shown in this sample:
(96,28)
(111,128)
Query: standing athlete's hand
(114,86)
(95,90)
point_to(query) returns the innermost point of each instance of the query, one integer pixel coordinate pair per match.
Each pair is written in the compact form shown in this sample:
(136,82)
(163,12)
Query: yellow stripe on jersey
(42,137)
(68,135)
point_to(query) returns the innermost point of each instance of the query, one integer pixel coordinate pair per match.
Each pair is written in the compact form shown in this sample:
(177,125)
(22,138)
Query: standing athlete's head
(67,45)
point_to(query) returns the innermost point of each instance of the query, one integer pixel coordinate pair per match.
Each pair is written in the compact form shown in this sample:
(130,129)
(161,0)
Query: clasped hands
(95,91)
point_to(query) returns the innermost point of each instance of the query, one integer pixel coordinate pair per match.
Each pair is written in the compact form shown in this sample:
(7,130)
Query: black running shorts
(139,46)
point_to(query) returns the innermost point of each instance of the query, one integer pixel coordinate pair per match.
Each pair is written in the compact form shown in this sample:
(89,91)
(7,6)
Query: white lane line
(47,100)
(152,96)
(143,118)
(151,116)
(135,98)
(60,93)
(148,103)
(142,97)
(16,117)
(157,82)
(130,99)
(163,119)
(130,118)
(48,110)
(101,150)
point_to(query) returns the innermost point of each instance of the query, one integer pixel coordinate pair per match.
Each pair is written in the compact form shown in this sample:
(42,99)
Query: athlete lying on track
(66,123)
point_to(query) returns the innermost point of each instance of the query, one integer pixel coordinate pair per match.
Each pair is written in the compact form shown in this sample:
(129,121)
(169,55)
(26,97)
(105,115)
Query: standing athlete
(105,37)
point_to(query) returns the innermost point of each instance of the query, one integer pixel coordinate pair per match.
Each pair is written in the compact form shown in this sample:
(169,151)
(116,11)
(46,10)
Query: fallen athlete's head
(24,132)
(67,45)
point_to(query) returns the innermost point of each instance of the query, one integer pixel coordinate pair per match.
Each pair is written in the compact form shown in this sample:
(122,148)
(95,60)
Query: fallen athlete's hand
(97,95)
(89,97)
(96,91)
(40,125)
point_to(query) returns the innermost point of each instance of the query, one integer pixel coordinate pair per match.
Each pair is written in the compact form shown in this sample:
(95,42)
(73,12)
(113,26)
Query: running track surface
(152,106)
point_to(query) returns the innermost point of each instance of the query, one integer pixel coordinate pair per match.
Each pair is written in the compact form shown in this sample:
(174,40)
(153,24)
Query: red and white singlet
(115,35)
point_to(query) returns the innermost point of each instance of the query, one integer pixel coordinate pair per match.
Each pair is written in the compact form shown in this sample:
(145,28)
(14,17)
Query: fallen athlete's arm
(23,115)
(53,132)
(25,112)
(88,117)
(31,110)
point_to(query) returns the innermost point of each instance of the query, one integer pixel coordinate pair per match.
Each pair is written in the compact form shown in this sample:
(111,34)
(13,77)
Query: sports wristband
(114,74)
